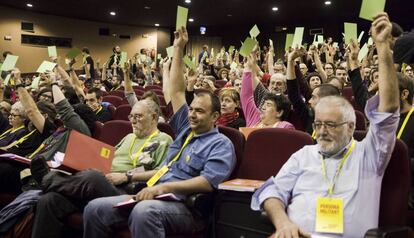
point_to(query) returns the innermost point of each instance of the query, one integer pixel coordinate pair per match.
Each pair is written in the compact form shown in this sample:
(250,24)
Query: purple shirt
(300,181)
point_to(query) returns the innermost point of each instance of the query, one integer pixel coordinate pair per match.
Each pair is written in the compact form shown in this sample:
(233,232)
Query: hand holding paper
(180,38)
(381,29)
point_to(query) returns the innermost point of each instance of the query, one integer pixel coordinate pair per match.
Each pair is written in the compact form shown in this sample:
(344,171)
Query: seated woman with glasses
(274,110)
(17,121)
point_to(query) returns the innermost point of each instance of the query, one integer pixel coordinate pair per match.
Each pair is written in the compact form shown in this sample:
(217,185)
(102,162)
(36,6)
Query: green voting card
(231,49)
(35,83)
(170,51)
(7,79)
(350,32)
(159,56)
(233,66)
(360,36)
(320,39)
(247,47)
(254,32)
(189,63)
(297,37)
(123,59)
(370,8)
(289,40)
(182,14)
(370,41)
(73,53)
(363,52)
(9,62)
(46,66)
(335,45)
(51,50)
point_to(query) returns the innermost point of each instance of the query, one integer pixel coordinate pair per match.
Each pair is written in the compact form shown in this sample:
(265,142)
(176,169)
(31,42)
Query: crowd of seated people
(260,92)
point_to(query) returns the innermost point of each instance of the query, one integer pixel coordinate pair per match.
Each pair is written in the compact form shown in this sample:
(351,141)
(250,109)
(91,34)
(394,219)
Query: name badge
(154,179)
(330,215)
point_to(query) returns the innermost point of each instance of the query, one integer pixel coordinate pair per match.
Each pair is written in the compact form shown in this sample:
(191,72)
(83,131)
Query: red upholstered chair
(166,128)
(97,130)
(162,100)
(150,87)
(114,100)
(118,93)
(104,93)
(295,119)
(139,92)
(138,87)
(268,149)
(157,91)
(361,123)
(220,83)
(238,141)
(112,110)
(347,93)
(113,131)
(122,112)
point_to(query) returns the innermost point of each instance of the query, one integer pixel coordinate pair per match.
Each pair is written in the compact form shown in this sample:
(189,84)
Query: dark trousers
(10,177)
(64,195)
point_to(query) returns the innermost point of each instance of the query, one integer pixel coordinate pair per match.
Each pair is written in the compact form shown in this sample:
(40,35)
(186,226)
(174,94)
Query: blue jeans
(149,218)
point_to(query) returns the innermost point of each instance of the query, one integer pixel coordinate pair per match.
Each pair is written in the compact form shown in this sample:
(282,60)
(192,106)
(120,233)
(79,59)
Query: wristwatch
(129,176)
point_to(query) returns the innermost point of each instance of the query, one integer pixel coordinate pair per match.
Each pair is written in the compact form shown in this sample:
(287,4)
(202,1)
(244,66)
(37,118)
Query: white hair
(278,76)
(18,106)
(346,109)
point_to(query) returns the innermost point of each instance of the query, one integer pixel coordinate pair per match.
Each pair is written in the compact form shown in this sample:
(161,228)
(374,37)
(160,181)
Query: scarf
(227,118)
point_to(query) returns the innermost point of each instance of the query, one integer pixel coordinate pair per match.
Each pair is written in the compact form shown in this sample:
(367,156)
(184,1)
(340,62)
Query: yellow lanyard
(338,170)
(154,179)
(405,123)
(99,110)
(314,134)
(10,131)
(25,137)
(134,160)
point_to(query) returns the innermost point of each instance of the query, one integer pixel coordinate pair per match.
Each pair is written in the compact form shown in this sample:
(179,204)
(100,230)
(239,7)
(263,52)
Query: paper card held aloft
(159,56)
(360,36)
(46,66)
(9,62)
(35,83)
(7,79)
(73,53)
(298,36)
(335,45)
(170,51)
(124,56)
(231,49)
(370,41)
(182,15)
(289,40)
(363,52)
(370,8)
(350,32)
(189,63)
(254,32)
(247,47)
(51,50)
(320,39)
(233,66)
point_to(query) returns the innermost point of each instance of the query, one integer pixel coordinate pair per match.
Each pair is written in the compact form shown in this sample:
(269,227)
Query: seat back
(113,131)
(295,119)
(166,128)
(220,83)
(122,112)
(395,188)
(118,93)
(361,123)
(97,129)
(268,149)
(347,93)
(114,100)
(239,142)
(150,87)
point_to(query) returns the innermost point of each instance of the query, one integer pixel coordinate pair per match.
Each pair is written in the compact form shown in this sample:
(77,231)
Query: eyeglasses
(14,115)
(329,125)
(46,96)
(135,116)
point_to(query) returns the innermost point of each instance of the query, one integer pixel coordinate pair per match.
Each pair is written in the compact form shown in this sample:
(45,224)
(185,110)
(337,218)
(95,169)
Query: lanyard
(154,179)
(134,160)
(338,170)
(405,123)
(10,131)
(99,110)
(314,134)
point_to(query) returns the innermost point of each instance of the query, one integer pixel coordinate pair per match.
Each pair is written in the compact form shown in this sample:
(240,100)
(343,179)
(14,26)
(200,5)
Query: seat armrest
(200,203)
(389,232)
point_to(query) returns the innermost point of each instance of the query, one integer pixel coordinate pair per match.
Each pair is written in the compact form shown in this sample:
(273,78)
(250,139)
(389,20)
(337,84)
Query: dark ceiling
(214,12)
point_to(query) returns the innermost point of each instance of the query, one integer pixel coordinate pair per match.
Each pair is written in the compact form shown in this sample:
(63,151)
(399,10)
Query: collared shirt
(300,181)
(210,154)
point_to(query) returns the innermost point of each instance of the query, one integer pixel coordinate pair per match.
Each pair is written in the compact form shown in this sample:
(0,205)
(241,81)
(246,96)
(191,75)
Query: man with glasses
(322,187)
(140,151)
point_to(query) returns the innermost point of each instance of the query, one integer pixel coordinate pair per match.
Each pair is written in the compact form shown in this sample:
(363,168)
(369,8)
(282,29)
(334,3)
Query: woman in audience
(45,95)
(313,79)
(17,121)
(230,106)
(274,110)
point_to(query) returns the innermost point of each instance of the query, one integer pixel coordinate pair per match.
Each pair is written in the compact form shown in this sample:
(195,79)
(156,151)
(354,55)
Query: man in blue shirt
(333,188)
(197,161)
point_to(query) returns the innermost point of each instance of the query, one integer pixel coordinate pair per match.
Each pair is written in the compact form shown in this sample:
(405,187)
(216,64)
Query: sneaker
(39,168)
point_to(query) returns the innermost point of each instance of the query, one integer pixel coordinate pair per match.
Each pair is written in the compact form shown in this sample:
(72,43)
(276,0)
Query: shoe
(39,168)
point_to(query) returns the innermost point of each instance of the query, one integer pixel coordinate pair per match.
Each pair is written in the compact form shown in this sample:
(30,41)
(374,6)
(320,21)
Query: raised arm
(318,64)
(270,60)
(127,79)
(387,80)
(166,79)
(177,86)
(359,90)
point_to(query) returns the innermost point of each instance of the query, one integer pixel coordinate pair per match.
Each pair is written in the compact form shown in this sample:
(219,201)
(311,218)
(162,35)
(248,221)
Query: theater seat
(97,130)
(238,141)
(166,128)
(122,112)
(114,100)
(150,87)
(118,93)
(113,131)
(268,149)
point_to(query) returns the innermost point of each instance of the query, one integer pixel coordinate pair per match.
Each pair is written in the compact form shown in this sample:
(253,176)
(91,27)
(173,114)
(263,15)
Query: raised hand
(381,29)
(180,38)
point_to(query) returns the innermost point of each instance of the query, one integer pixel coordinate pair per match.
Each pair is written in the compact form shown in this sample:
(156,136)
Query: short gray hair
(18,106)
(279,76)
(150,105)
(346,109)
